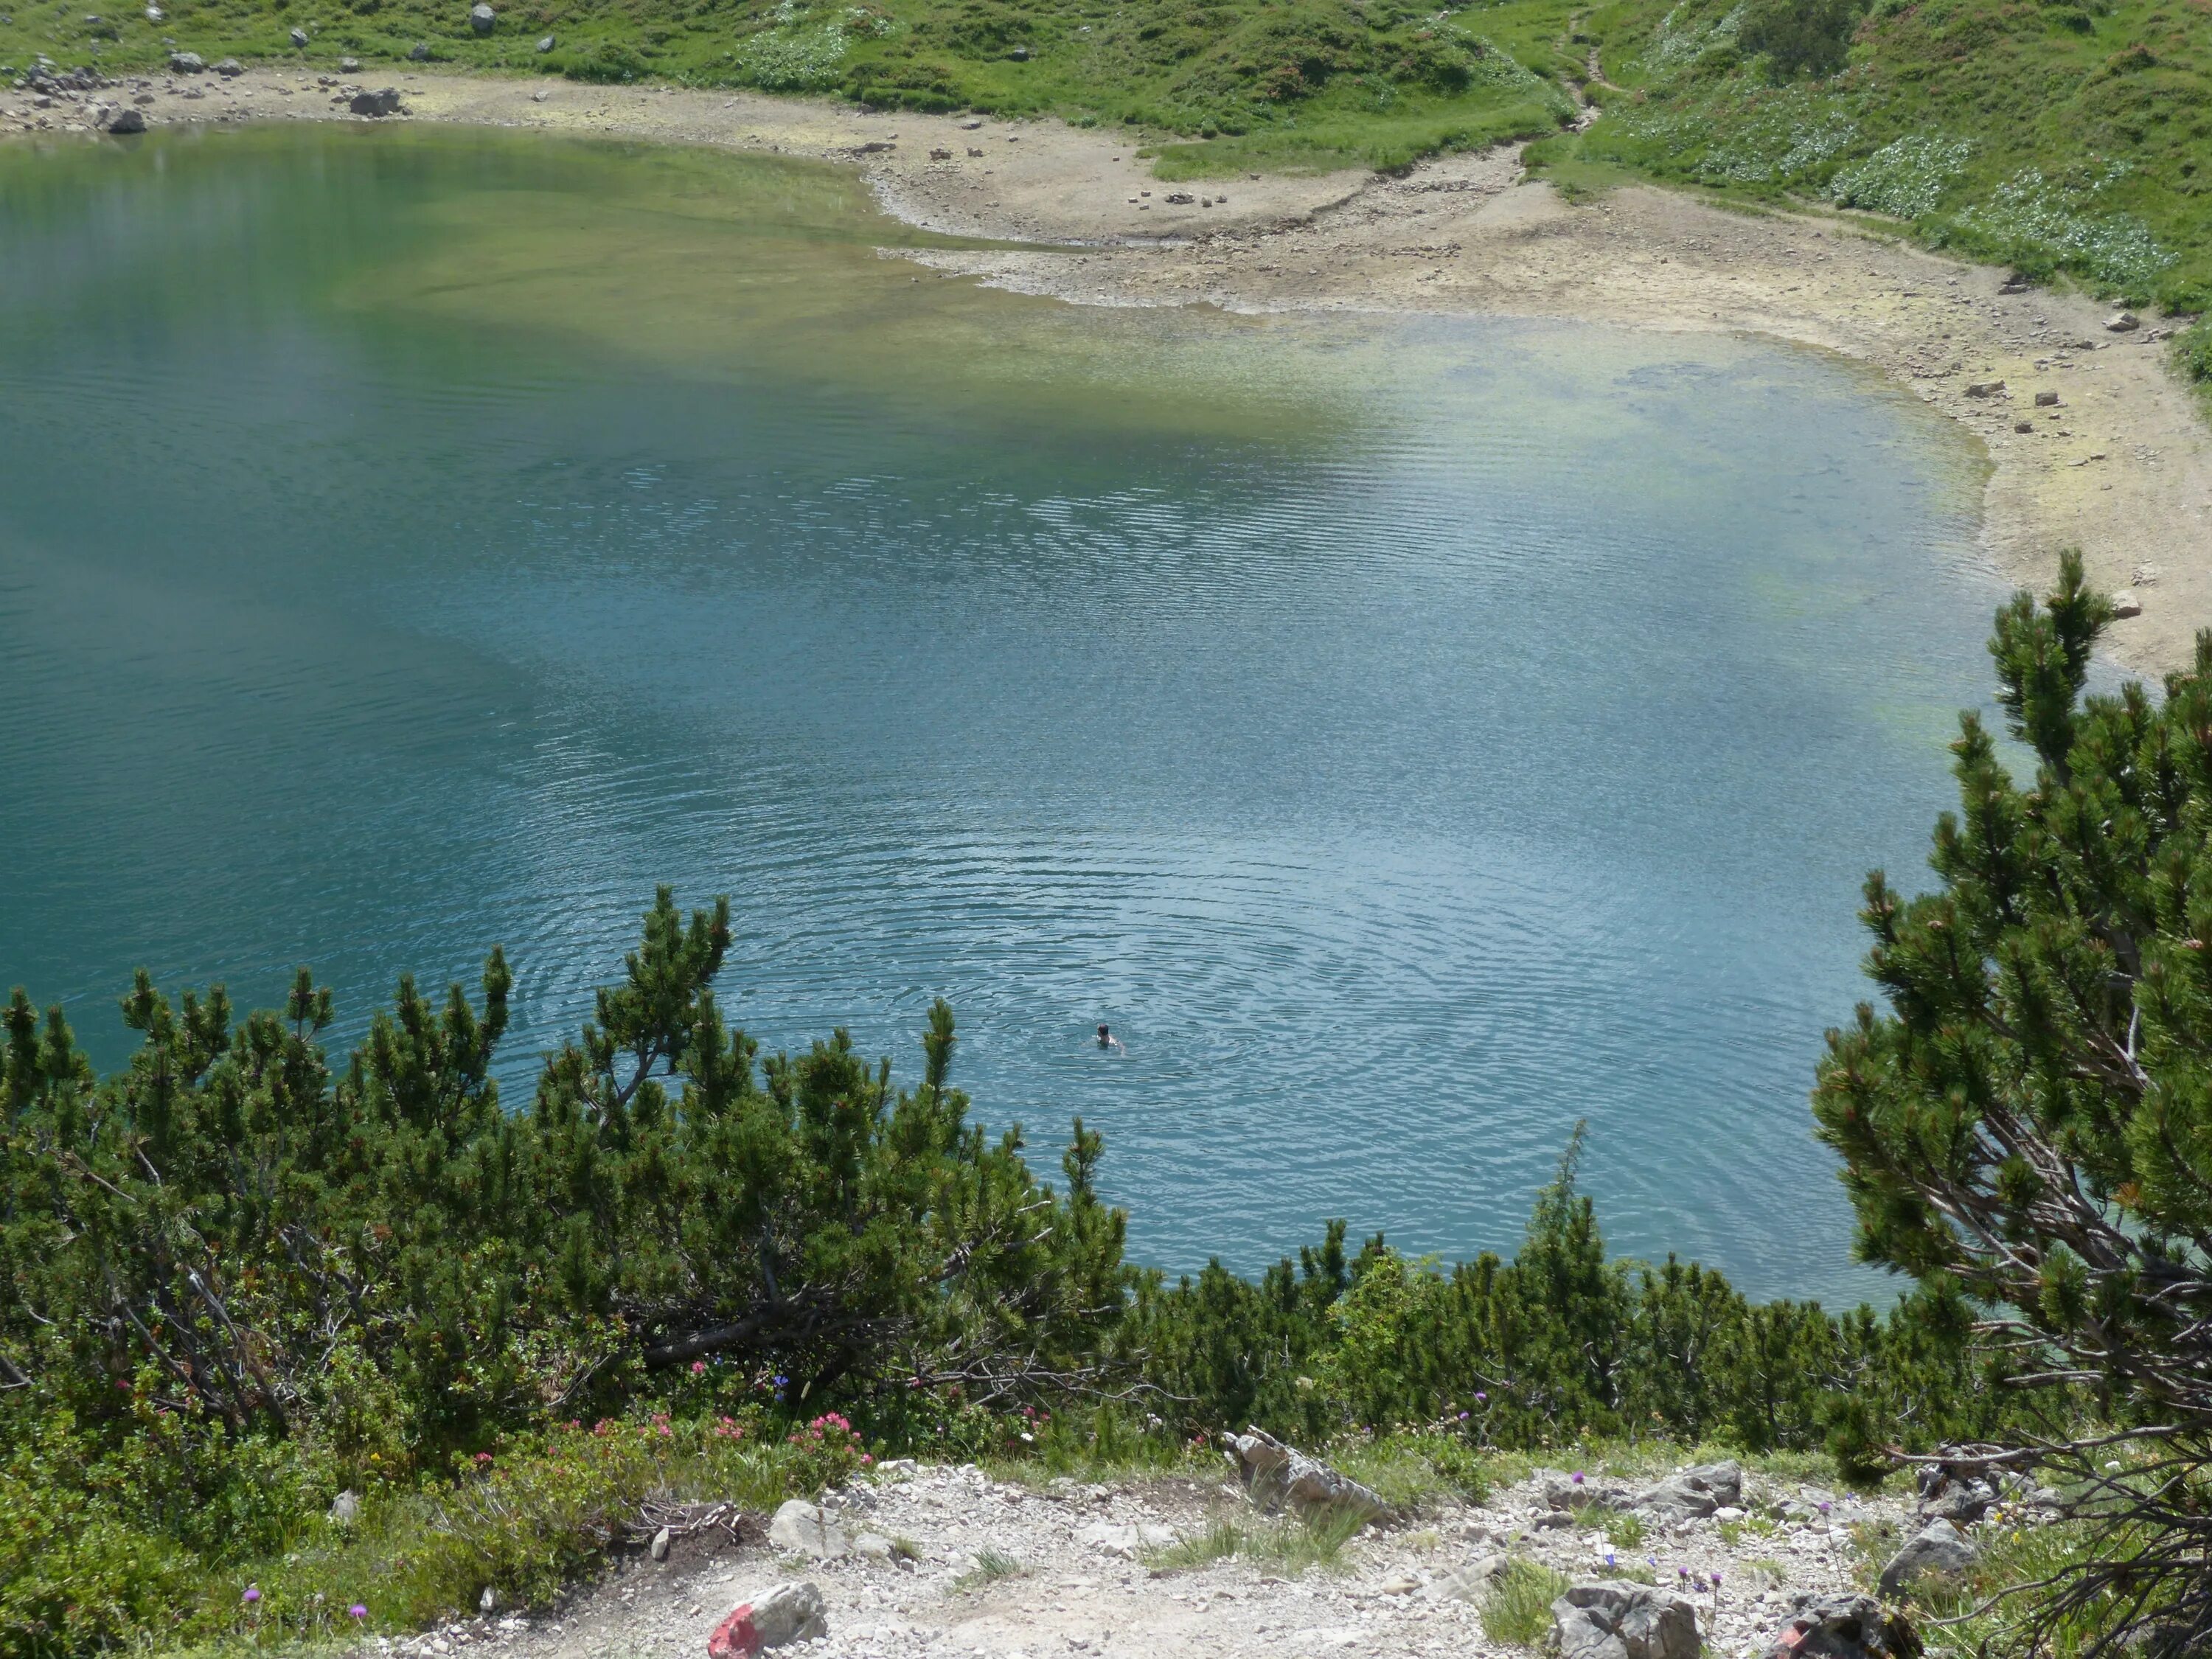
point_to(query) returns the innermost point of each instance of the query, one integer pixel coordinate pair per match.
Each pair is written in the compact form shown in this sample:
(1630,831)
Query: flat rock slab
(801,1528)
(1695,1493)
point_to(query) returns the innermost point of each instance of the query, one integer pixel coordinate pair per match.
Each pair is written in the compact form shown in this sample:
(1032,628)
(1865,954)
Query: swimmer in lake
(1107,1040)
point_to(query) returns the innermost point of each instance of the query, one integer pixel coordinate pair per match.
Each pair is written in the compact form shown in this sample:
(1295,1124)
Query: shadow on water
(1412,734)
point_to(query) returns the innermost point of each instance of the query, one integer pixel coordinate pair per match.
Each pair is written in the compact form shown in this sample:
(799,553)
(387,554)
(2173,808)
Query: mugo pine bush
(2030,1124)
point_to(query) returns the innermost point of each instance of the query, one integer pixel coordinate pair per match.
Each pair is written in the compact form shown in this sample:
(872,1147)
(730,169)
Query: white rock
(2125,604)
(779,1614)
(1126,1540)
(801,1528)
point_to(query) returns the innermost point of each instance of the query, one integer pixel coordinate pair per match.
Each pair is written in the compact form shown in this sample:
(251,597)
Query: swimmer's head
(1103,1034)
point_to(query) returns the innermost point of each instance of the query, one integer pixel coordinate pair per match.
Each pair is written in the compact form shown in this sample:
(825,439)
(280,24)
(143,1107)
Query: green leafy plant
(2029,1126)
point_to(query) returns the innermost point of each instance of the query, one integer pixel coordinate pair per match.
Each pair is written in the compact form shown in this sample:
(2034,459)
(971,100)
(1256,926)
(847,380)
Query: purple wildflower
(358,1611)
(252,1594)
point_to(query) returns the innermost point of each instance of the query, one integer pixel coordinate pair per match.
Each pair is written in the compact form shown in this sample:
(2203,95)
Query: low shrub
(2192,353)
(76,1575)
(1800,37)
(606,63)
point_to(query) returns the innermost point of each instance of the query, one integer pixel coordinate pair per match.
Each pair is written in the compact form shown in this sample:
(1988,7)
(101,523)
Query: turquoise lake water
(1413,735)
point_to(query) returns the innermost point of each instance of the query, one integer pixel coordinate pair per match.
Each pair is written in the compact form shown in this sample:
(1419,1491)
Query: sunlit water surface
(1413,735)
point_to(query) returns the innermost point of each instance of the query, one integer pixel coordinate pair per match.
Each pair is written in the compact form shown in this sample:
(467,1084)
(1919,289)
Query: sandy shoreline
(2121,466)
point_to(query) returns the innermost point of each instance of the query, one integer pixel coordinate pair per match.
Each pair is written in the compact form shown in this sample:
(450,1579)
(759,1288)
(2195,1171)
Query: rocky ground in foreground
(943,1561)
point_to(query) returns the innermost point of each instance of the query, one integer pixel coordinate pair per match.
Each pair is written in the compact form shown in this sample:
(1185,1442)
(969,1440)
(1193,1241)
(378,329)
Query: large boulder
(1618,1620)
(186,63)
(801,1528)
(1562,1491)
(779,1614)
(482,18)
(125,121)
(1695,1493)
(384,101)
(1938,1548)
(1274,1474)
(1954,1495)
(1837,1625)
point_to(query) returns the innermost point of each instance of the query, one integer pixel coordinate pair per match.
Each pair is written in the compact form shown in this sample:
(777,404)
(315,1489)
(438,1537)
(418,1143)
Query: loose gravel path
(1081,1576)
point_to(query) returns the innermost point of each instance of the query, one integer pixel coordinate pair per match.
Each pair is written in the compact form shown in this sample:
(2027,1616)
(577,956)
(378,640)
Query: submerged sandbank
(2121,465)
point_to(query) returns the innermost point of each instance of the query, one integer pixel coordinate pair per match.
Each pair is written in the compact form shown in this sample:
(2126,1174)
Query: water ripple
(1413,737)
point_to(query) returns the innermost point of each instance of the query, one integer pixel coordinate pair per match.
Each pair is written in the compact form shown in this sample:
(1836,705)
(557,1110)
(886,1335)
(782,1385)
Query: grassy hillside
(1280,82)
(2063,135)
(2057,136)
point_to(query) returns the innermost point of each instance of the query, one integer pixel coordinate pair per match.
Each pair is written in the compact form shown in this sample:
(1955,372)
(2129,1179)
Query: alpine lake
(1413,735)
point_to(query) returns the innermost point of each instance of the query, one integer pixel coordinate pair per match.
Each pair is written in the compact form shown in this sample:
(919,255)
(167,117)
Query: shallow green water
(1413,735)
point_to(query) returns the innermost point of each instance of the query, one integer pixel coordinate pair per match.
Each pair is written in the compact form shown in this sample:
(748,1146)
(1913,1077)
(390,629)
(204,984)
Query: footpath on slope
(2091,441)
(931,1563)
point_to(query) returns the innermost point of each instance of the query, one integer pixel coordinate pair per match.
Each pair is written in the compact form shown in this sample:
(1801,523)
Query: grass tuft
(990,1567)
(1518,1609)
(1221,1539)
(1288,1545)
